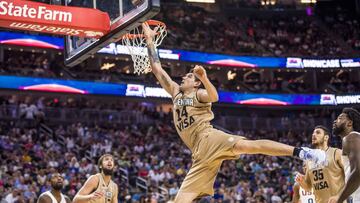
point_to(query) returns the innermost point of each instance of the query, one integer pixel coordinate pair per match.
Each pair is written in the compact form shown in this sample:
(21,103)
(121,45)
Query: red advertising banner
(60,20)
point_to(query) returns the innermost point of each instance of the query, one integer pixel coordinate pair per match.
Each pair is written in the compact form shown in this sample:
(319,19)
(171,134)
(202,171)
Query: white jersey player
(54,195)
(347,126)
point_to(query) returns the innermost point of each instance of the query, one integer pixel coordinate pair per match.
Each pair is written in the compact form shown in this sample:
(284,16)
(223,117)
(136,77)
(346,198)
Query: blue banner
(207,58)
(62,86)
(136,90)
(227,60)
(269,99)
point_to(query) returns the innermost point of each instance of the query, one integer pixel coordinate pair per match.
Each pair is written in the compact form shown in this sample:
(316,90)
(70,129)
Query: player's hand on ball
(200,72)
(148,32)
(333,199)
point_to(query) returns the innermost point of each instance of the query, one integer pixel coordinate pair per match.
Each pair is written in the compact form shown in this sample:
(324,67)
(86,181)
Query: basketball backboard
(124,16)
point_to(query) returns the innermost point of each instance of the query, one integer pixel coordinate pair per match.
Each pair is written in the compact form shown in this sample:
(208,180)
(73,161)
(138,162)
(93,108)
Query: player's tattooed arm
(155,61)
(153,56)
(351,148)
(164,79)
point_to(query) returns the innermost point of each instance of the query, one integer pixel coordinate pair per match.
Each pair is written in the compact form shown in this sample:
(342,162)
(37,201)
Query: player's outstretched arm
(210,93)
(84,195)
(164,79)
(296,193)
(351,148)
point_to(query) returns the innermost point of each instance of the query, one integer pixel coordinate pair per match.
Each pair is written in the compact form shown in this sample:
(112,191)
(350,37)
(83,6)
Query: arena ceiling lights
(308,1)
(200,1)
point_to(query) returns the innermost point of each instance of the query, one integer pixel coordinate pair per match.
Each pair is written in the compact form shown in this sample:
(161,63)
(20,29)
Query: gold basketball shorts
(211,149)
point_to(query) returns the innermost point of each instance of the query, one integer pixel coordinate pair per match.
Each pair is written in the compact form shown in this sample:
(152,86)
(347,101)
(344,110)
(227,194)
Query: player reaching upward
(54,195)
(300,195)
(325,181)
(192,115)
(347,126)
(100,188)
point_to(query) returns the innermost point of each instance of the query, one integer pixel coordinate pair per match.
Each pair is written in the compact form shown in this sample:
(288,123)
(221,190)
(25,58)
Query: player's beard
(108,172)
(57,186)
(338,130)
(318,144)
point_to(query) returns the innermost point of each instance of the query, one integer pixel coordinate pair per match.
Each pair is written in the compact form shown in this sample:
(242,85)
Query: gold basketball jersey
(190,117)
(108,190)
(327,180)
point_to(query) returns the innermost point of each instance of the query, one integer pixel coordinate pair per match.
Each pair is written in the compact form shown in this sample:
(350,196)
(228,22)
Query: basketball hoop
(136,43)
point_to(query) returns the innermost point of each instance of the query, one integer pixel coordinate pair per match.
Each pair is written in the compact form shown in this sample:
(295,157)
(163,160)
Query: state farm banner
(61,20)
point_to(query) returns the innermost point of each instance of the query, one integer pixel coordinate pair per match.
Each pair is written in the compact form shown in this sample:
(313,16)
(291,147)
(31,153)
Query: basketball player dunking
(192,115)
(347,126)
(300,195)
(100,188)
(328,180)
(54,195)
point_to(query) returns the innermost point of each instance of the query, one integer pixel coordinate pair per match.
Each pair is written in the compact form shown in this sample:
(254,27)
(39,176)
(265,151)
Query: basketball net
(136,43)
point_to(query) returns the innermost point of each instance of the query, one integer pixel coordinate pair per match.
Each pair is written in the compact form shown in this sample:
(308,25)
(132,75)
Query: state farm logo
(56,30)
(40,12)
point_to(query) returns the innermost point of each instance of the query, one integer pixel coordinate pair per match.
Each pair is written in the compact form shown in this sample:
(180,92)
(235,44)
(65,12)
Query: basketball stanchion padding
(136,44)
